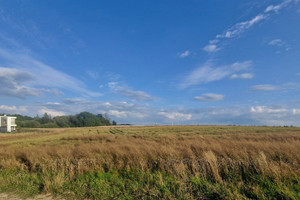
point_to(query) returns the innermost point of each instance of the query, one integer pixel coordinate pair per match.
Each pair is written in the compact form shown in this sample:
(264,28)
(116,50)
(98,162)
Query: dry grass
(210,152)
(127,147)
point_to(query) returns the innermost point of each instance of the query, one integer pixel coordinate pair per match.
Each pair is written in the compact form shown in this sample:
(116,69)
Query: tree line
(83,119)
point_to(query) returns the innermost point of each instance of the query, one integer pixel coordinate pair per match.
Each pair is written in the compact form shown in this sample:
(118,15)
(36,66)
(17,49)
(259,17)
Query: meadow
(153,162)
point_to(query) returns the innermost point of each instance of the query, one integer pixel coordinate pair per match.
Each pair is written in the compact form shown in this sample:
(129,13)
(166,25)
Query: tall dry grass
(185,153)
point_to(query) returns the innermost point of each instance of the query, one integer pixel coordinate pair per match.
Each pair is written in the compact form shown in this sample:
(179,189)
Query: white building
(7,124)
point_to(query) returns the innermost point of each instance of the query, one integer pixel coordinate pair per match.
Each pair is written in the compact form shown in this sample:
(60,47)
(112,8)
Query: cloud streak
(184,54)
(211,48)
(209,73)
(278,7)
(13,81)
(42,75)
(240,27)
(266,87)
(282,87)
(127,92)
(280,43)
(13,109)
(242,76)
(277,42)
(175,115)
(210,97)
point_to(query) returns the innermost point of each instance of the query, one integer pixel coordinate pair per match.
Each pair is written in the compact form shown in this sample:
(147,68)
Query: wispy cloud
(278,7)
(266,87)
(51,112)
(296,111)
(127,92)
(240,27)
(178,116)
(210,97)
(43,75)
(242,76)
(280,43)
(184,54)
(276,42)
(266,109)
(289,86)
(211,48)
(209,73)
(13,82)
(232,32)
(275,115)
(13,109)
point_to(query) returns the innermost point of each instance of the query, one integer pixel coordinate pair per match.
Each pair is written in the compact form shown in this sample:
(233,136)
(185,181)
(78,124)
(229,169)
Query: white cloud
(280,43)
(240,27)
(275,115)
(44,75)
(51,112)
(8,108)
(278,7)
(13,82)
(296,111)
(265,109)
(13,109)
(284,87)
(211,48)
(209,73)
(242,76)
(265,87)
(184,54)
(210,97)
(116,113)
(127,114)
(277,42)
(127,92)
(176,115)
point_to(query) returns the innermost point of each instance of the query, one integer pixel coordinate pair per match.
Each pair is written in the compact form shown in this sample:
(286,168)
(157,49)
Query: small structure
(7,124)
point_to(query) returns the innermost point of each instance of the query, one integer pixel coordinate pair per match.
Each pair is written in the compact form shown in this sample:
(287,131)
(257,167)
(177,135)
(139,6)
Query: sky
(153,62)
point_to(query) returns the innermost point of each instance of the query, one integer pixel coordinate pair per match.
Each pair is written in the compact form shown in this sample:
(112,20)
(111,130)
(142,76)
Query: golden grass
(206,151)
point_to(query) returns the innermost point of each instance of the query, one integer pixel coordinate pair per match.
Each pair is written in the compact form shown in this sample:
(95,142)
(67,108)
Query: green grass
(137,184)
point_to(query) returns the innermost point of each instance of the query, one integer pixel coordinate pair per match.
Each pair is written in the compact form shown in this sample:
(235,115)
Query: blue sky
(147,62)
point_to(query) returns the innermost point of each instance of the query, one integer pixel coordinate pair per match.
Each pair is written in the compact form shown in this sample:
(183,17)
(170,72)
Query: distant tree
(62,121)
(30,124)
(114,123)
(45,119)
(82,119)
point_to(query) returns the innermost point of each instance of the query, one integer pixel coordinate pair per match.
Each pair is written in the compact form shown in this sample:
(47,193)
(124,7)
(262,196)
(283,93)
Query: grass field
(153,162)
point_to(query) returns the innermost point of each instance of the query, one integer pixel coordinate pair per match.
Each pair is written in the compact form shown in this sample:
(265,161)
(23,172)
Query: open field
(146,162)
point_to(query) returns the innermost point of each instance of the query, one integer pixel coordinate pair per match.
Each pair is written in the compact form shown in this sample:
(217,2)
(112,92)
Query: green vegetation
(83,119)
(153,162)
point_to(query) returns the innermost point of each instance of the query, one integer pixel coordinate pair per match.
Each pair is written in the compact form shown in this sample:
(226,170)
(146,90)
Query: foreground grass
(175,162)
(137,184)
